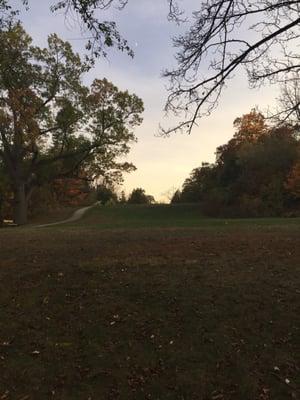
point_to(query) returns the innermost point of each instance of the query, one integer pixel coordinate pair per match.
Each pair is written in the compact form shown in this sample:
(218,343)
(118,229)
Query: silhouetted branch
(259,35)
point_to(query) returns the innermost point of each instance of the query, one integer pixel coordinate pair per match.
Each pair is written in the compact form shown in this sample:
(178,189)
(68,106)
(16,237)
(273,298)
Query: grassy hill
(170,216)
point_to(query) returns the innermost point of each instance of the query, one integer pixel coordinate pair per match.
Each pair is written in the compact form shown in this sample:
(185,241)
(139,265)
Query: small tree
(138,196)
(122,198)
(106,194)
(197,184)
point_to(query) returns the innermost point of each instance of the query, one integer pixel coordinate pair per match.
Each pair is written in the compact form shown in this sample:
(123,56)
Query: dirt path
(75,217)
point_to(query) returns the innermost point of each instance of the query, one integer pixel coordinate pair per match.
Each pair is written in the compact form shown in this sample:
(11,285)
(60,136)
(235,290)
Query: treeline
(108,195)
(257,173)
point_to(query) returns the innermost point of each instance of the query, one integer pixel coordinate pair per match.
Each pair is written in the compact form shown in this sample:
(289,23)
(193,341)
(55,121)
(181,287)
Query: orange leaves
(71,191)
(250,127)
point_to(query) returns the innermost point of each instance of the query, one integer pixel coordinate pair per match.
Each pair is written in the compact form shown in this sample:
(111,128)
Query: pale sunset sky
(162,163)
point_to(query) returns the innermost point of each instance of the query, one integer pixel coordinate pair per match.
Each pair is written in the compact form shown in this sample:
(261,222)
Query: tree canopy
(256,173)
(51,125)
(106,194)
(139,196)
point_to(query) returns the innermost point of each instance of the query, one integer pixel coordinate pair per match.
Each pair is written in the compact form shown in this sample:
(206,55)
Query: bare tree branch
(259,35)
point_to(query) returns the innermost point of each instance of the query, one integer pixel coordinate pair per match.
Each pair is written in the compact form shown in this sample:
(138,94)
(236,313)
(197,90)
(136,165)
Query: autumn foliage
(257,173)
(53,129)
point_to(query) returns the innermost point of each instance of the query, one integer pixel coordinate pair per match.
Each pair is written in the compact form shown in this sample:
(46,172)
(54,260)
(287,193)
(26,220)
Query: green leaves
(51,124)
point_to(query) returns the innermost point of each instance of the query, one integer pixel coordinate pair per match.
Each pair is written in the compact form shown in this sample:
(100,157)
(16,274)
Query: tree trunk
(1,211)
(20,205)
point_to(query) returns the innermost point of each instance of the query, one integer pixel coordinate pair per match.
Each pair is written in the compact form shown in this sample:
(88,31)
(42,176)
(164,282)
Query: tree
(197,184)
(176,198)
(256,173)
(51,126)
(139,196)
(259,35)
(150,199)
(106,194)
(122,198)
(251,167)
(250,127)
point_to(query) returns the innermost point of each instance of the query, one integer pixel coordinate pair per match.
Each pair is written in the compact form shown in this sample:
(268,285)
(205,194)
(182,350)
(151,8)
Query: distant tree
(256,172)
(138,196)
(122,198)
(51,126)
(150,199)
(106,194)
(176,198)
(197,184)
(250,127)
(264,166)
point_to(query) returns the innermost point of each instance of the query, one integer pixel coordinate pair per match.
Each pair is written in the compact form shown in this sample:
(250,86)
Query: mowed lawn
(151,303)
(172,216)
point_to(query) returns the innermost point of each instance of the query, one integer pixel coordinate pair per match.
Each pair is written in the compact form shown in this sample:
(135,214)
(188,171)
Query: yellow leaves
(24,101)
(20,115)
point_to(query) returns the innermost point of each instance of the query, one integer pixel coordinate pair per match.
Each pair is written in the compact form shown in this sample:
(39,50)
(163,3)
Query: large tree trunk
(20,205)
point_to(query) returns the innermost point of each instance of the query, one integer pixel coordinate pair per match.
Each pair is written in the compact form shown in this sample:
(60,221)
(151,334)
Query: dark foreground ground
(185,314)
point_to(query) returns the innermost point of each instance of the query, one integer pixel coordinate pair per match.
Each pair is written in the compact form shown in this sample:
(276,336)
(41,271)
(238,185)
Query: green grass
(171,216)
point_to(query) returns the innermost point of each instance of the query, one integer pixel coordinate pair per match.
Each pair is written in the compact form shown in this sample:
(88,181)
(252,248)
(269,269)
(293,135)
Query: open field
(151,303)
(173,216)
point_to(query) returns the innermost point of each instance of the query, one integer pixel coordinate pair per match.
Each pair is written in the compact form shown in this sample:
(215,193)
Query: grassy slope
(172,216)
(204,313)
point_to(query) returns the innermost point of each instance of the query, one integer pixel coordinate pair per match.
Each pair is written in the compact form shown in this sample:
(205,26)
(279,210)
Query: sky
(162,163)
